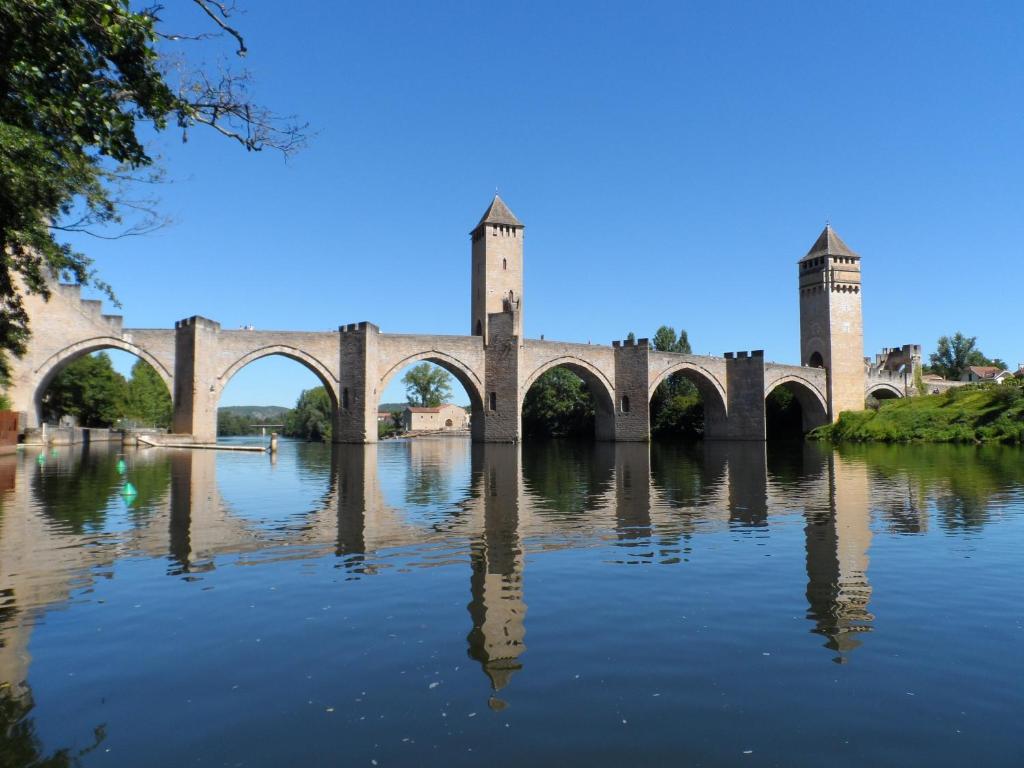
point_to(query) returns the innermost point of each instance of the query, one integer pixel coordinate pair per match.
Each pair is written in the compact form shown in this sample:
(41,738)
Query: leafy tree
(231,423)
(665,340)
(427,386)
(678,415)
(148,400)
(77,80)
(311,418)
(676,406)
(631,337)
(90,390)
(558,405)
(954,355)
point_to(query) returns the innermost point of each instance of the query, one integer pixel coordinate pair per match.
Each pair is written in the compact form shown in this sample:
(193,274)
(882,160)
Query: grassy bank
(971,414)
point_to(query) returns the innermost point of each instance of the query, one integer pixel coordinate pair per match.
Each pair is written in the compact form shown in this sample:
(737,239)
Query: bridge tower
(497,268)
(831,327)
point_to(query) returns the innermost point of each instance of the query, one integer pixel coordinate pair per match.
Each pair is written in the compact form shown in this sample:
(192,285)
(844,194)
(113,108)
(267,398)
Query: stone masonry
(494,363)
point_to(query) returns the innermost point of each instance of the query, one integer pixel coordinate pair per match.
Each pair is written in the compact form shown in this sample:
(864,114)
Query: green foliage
(955,354)
(147,400)
(233,423)
(631,337)
(558,405)
(77,78)
(982,413)
(665,340)
(677,416)
(311,418)
(90,390)
(427,386)
(783,415)
(5,402)
(677,409)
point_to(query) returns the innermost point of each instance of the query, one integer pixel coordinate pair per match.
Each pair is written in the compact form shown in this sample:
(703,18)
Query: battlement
(197,321)
(757,354)
(632,343)
(361,327)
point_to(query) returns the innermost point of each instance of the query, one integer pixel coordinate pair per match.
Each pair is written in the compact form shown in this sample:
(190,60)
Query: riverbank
(969,414)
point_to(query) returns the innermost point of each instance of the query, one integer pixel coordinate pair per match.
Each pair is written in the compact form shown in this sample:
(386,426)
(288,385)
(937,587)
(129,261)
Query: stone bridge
(496,365)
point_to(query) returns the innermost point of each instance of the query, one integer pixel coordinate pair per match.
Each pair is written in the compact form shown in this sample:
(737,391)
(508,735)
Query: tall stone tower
(831,329)
(497,267)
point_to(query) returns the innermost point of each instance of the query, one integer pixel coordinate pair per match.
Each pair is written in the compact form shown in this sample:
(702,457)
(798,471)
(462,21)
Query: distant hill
(260,412)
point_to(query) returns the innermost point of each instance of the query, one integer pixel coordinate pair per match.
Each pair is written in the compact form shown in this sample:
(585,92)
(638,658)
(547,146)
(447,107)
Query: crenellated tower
(831,326)
(497,268)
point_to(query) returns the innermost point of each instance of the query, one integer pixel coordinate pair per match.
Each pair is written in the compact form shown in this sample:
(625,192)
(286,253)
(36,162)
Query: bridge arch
(884,391)
(597,382)
(319,369)
(59,360)
(462,372)
(712,392)
(813,404)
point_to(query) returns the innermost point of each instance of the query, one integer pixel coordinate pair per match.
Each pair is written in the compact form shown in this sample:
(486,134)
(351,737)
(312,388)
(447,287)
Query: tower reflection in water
(652,501)
(496,607)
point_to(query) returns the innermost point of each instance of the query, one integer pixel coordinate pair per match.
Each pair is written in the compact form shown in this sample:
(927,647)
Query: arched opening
(568,399)
(103,386)
(271,390)
(879,394)
(816,360)
(479,331)
(686,403)
(792,409)
(429,393)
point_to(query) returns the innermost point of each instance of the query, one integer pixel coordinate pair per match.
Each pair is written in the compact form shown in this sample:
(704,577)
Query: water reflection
(65,520)
(496,607)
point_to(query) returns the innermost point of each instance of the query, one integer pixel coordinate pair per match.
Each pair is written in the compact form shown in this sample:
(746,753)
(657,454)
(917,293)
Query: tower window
(504,263)
(479,328)
(492,401)
(624,405)
(344,398)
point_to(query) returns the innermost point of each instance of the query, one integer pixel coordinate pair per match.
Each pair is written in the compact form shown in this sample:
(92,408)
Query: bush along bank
(968,414)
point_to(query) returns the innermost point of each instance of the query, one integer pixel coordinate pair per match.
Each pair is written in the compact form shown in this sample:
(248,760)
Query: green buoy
(128,491)
(121,466)
(41,458)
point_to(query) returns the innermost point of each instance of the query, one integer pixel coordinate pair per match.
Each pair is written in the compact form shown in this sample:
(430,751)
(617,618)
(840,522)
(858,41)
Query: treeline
(310,419)
(93,394)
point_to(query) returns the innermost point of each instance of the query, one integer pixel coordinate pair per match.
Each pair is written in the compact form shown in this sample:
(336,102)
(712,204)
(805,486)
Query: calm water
(433,602)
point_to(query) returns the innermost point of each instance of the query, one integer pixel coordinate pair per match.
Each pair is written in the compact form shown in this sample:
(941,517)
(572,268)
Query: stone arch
(813,403)
(884,391)
(322,372)
(55,363)
(711,390)
(462,372)
(597,382)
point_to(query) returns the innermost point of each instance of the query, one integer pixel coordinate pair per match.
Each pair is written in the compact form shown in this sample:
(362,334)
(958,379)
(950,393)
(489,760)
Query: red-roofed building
(976,373)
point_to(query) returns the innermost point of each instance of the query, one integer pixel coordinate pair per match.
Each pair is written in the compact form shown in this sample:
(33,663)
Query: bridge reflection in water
(650,503)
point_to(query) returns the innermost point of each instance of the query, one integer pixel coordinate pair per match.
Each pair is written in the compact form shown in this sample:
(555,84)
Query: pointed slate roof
(498,213)
(829,244)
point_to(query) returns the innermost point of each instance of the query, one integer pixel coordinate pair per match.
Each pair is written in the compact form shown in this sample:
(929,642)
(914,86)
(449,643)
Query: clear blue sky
(671,162)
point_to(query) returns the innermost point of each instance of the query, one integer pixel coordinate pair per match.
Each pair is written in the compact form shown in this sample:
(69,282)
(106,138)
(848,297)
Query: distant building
(443,418)
(976,373)
(383,416)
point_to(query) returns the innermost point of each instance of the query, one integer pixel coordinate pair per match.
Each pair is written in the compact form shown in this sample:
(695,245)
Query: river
(434,602)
